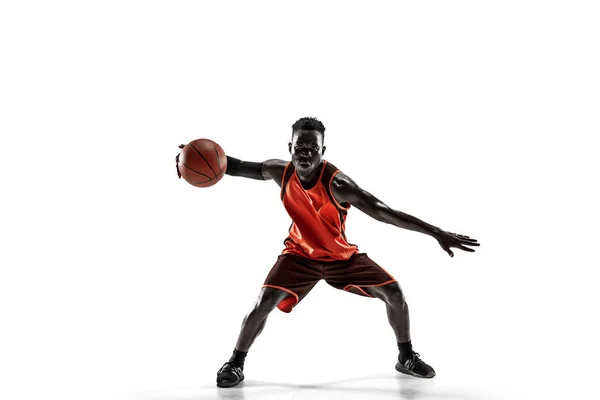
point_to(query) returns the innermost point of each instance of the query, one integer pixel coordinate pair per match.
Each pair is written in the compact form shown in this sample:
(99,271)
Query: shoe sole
(400,368)
(228,384)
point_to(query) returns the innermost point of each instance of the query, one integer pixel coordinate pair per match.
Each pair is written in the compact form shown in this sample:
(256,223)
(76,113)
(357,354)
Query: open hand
(177,161)
(449,239)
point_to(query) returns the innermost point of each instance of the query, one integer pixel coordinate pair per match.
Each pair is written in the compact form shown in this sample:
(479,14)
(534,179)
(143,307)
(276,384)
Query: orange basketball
(201,162)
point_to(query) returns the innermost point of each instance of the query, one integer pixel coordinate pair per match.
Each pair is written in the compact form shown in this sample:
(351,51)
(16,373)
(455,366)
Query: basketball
(201,162)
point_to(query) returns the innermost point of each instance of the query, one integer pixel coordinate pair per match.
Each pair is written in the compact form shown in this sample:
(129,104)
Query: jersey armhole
(327,180)
(287,174)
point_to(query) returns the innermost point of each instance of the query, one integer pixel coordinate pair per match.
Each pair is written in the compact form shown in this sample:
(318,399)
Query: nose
(305,153)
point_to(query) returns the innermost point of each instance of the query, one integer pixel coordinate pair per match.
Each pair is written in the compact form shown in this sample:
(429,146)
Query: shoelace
(412,360)
(236,368)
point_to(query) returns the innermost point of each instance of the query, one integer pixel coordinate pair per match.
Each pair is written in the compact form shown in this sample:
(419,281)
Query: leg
(363,276)
(232,371)
(254,322)
(290,279)
(397,309)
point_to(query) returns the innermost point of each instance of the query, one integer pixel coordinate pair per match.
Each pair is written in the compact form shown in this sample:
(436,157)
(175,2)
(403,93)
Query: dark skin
(307,149)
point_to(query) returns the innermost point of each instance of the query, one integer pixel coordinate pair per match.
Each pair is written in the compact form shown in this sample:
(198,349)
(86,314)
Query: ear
(290,147)
(324,148)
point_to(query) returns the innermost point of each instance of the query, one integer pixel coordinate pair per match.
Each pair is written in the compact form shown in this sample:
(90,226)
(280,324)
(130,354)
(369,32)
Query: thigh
(357,274)
(294,275)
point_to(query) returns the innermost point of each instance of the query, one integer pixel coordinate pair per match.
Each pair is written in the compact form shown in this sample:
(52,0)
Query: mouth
(304,164)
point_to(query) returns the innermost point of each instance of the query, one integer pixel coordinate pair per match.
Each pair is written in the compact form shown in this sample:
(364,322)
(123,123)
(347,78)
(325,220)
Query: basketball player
(317,196)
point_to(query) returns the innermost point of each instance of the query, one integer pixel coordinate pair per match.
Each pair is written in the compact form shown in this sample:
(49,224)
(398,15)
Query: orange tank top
(319,221)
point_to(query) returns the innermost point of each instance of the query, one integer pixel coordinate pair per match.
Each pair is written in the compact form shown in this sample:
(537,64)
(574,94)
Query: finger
(456,235)
(465,248)
(464,238)
(446,248)
(468,243)
(450,253)
(177,166)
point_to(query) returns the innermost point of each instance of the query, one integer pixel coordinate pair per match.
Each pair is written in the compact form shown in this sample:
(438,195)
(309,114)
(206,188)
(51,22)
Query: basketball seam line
(217,153)
(204,158)
(209,179)
(200,173)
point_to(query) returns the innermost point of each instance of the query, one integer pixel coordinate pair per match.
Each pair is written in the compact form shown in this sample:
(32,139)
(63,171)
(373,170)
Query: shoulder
(335,178)
(343,189)
(273,169)
(342,182)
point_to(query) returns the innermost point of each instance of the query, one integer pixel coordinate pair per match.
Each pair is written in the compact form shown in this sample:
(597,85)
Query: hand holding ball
(201,162)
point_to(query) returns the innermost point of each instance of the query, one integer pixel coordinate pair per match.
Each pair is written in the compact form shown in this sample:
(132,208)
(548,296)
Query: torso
(317,231)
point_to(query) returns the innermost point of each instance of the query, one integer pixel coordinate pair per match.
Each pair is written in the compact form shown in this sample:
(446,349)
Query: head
(307,147)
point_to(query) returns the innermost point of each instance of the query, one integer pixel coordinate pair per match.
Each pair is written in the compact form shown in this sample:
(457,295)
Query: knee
(392,294)
(398,299)
(267,301)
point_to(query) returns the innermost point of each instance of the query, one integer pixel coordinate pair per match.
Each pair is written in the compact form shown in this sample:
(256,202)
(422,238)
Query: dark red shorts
(298,275)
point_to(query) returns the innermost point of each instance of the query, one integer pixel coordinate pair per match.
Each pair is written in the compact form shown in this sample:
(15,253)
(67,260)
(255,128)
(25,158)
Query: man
(317,197)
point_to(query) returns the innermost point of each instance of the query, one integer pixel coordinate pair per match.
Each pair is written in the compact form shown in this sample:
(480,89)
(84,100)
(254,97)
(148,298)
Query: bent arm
(267,170)
(346,190)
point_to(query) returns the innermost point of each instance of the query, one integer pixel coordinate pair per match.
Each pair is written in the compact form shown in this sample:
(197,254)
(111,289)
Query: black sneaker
(230,375)
(414,366)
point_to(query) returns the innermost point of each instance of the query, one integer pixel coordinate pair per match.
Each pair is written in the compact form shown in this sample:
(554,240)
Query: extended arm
(245,169)
(346,190)
(267,170)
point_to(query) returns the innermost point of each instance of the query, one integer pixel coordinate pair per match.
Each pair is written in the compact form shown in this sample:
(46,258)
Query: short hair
(309,123)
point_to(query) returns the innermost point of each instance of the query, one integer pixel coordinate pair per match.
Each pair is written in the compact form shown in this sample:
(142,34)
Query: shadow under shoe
(230,375)
(414,366)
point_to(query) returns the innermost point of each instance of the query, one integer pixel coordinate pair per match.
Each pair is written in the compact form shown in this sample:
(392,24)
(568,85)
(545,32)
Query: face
(307,150)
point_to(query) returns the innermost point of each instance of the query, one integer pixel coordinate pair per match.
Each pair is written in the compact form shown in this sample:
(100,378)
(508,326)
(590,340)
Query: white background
(119,280)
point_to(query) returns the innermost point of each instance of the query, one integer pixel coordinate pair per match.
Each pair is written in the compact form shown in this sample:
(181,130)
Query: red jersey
(319,221)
